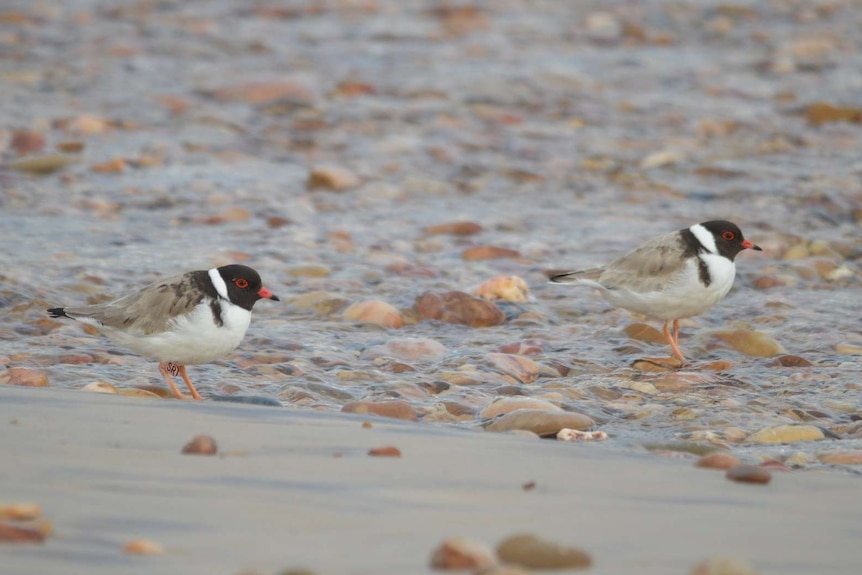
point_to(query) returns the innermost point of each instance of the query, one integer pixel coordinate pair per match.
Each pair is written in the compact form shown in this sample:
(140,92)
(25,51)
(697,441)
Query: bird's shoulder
(649,267)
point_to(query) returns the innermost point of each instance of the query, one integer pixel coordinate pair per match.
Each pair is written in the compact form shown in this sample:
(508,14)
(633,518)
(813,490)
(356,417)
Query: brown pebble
(540,422)
(717,460)
(115,166)
(387,451)
(24,376)
(752,343)
(394,409)
(26,142)
(657,364)
(331,178)
(20,511)
(793,361)
(645,333)
(749,474)
(529,486)
(376,312)
(71,147)
(722,566)
(454,229)
(841,458)
(460,553)
(488,253)
(767,282)
(201,445)
(13,534)
(820,113)
(366,425)
(143,547)
(504,288)
(532,552)
(458,307)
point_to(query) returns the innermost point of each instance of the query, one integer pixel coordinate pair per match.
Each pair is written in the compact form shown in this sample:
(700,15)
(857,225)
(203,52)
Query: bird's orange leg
(673,339)
(168,369)
(185,376)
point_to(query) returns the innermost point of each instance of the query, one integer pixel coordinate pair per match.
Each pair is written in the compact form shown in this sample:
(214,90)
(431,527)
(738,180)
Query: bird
(676,275)
(188,319)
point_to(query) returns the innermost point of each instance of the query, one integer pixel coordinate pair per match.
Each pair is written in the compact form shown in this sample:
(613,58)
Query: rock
(387,451)
(820,113)
(100,387)
(86,125)
(332,178)
(503,405)
(657,364)
(376,312)
(505,288)
(717,460)
(793,361)
(660,159)
(752,343)
(26,142)
(645,333)
(12,534)
(458,307)
(722,566)
(115,166)
(393,409)
(408,349)
(488,253)
(841,458)
(200,445)
(232,214)
(41,165)
(749,474)
(786,434)
(535,553)
(848,349)
(520,368)
(20,511)
(767,282)
(24,376)
(461,553)
(454,229)
(265,92)
(320,302)
(143,547)
(576,435)
(526,347)
(136,392)
(540,422)
(604,27)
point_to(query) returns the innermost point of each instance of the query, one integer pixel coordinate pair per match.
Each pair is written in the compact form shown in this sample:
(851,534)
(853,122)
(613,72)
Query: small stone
(503,405)
(265,92)
(488,253)
(332,178)
(12,534)
(848,349)
(717,460)
(27,142)
(793,361)
(143,547)
(86,125)
(320,302)
(115,166)
(767,282)
(722,566)
(645,333)
(459,307)
(841,458)
(541,422)
(100,387)
(407,349)
(752,343)
(528,486)
(576,435)
(376,312)
(24,376)
(20,511)
(749,474)
(786,434)
(71,147)
(820,113)
(657,364)
(454,229)
(661,159)
(387,451)
(200,445)
(604,27)
(136,392)
(41,165)
(505,288)
(521,368)
(232,214)
(535,553)
(393,409)
(457,553)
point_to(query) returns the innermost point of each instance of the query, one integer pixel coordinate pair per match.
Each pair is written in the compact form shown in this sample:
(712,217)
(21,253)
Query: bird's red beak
(749,245)
(266,294)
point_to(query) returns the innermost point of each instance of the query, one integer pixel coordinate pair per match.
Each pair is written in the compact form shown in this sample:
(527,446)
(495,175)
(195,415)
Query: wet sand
(296,489)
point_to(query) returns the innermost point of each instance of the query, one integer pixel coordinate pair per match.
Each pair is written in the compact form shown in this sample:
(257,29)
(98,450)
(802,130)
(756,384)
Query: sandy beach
(296,489)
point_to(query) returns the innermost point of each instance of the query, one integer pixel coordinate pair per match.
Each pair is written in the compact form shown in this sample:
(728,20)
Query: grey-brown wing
(647,268)
(148,311)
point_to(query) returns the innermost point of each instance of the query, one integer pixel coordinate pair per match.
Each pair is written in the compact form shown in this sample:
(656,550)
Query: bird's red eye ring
(729,236)
(241,283)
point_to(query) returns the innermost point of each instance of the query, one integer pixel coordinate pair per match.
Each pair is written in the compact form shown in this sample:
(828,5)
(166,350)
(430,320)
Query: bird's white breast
(193,338)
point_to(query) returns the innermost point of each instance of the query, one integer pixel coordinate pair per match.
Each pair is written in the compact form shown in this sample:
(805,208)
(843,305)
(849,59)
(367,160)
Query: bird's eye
(241,283)
(729,236)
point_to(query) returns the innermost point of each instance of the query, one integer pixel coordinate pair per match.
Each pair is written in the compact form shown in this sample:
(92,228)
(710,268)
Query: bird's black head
(244,286)
(729,240)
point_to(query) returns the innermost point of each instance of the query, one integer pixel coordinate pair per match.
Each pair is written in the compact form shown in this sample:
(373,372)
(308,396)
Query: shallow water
(541,122)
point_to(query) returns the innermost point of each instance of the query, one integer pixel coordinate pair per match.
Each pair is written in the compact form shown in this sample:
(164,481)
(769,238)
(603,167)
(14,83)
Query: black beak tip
(274,297)
(757,248)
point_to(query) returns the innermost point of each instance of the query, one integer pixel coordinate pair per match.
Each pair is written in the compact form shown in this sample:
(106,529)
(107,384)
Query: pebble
(200,445)
(786,434)
(421,349)
(376,312)
(717,460)
(86,125)
(458,307)
(604,27)
(13,534)
(136,392)
(505,288)
(41,165)
(309,271)
(488,253)
(100,387)
(320,302)
(540,422)
(143,547)
(387,451)
(454,229)
(265,92)
(793,361)
(722,566)
(749,474)
(114,166)
(645,333)
(27,142)
(752,343)
(661,159)
(841,457)
(20,511)
(522,369)
(848,349)
(456,553)
(576,435)
(536,553)
(333,178)
(393,409)
(24,376)
(503,405)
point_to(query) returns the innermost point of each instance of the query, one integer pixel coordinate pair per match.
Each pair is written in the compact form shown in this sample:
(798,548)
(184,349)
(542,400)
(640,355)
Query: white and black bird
(193,318)
(677,275)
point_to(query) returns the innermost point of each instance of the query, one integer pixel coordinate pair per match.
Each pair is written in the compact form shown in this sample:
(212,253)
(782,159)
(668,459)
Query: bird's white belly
(686,296)
(193,338)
